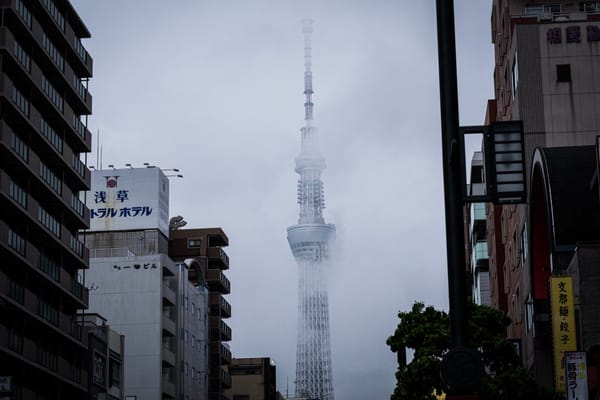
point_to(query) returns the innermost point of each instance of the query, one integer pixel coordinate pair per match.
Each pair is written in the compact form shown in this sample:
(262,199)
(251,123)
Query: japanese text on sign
(563,325)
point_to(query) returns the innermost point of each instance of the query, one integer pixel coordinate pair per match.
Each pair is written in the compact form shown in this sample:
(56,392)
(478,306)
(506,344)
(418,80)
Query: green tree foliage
(425,330)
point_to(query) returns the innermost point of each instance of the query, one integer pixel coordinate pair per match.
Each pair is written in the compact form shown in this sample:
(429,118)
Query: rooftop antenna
(98,148)
(308,104)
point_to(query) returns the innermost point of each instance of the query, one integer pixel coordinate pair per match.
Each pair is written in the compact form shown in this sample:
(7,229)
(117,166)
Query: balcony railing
(480,253)
(217,258)
(219,330)
(217,281)
(219,307)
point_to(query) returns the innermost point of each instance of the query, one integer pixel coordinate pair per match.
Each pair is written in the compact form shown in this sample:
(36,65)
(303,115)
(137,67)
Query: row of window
(79,126)
(48,312)
(16,242)
(55,14)
(57,17)
(49,222)
(76,288)
(24,13)
(20,101)
(22,56)
(50,267)
(53,94)
(77,204)
(23,104)
(49,133)
(76,246)
(53,52)
(16,292)
(196,374)
(79,49)
(17,193)
(50,178)
(19,147)
(78,165)
(79,88)
(45,356)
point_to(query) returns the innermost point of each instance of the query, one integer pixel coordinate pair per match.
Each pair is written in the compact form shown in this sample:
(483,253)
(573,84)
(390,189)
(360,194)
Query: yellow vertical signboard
(564,337)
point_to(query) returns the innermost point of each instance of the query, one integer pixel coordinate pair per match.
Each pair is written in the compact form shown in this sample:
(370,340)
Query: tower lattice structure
(310,241)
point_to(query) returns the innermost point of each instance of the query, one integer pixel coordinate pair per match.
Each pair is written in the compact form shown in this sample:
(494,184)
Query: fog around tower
(214,88)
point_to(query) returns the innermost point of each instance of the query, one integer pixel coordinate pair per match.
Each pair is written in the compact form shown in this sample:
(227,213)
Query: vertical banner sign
(576,375)
(564,337)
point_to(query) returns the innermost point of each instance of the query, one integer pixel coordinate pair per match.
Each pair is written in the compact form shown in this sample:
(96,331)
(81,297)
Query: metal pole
(453,181)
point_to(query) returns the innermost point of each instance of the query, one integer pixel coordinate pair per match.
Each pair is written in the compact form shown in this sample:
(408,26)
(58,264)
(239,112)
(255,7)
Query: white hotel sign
(129,199)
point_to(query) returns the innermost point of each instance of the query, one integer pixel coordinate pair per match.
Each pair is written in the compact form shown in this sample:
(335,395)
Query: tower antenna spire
(308,104)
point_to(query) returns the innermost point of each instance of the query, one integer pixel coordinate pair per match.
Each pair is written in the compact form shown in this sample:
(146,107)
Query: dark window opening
(194,242)
(563,73)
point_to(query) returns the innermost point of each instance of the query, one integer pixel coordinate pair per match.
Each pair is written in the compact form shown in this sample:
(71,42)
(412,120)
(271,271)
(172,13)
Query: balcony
(217,281)
(219,330)
(219,307)
(217,258)
(168,357)
(168,388)
(168,293)
(225,379)
(480,255)
(220,354)
(168,325)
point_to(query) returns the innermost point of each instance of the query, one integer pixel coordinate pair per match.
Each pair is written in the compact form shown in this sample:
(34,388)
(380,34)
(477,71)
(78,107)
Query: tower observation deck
(310,243)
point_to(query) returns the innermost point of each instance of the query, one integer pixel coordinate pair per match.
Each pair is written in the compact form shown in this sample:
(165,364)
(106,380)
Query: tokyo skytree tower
(310,243)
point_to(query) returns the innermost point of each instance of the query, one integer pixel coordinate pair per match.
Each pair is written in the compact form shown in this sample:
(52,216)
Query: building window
(50,134)
(50,267)
(47,358)
(515,77)
(16,242)
(17,193)
(53,52)
(24,13)
(79,49)
(79,88)
(50,178)
(75,372)
(563,73)
(20,101)
(79,126)
(15,341)
(53,94)
(194,242)
(20,147)
(55,14)
(529,314)
(16,292)
(22,56)
(48,312)
(114,373)
(524,245)
(592,7)
(49,222)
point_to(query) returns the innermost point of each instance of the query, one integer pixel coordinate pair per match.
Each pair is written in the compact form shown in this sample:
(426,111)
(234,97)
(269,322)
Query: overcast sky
(214,88)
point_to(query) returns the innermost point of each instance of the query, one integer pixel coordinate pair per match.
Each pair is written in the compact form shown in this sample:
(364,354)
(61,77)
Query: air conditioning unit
(545,16)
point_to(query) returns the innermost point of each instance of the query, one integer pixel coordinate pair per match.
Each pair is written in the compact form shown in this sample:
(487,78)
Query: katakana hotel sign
(129,199)
(564,336)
